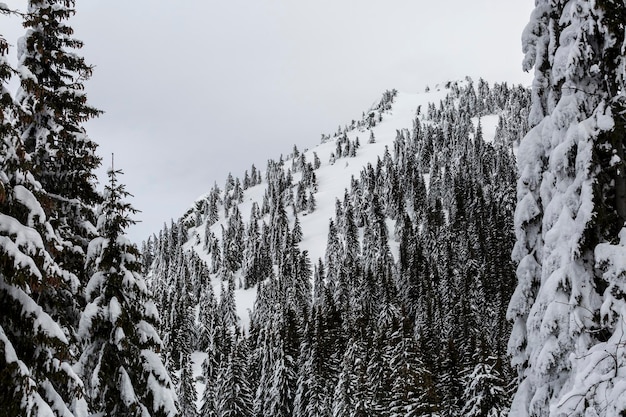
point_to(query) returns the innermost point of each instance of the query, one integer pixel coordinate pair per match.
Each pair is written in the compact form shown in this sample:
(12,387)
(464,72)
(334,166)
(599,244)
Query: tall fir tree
(568,309)
(186,390)
(120,364)
(52,110)
(36,378)
(234,395)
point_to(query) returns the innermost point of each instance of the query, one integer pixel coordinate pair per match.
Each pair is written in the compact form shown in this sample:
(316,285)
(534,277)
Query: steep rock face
(352,271)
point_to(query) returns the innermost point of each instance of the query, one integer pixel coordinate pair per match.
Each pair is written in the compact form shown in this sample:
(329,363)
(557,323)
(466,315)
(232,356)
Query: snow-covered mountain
(398,224)
(333,177)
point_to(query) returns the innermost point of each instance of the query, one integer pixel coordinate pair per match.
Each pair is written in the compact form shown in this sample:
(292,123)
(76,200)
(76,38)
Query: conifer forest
(459,251)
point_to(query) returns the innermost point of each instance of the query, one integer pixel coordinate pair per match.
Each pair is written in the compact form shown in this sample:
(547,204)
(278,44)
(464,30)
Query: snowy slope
(333,178)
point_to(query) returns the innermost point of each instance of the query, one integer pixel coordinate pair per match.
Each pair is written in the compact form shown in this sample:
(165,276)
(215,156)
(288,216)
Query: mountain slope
(333,178)
(403,256)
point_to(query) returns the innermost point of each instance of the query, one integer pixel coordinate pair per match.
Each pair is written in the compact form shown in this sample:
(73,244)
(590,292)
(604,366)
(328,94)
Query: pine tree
(234,396)
(210,370)
(311,203)
(227,306)
(568,308)
(312,398)
(412,392)
(351,397)
(36,377)
(120,365)
(485,391)
(207,309)
(52,110)
(186,390)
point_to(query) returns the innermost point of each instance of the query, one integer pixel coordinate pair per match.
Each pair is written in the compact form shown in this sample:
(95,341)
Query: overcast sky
(194,89)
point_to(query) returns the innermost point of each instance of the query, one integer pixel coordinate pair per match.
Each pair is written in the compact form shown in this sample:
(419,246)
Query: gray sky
(194,89)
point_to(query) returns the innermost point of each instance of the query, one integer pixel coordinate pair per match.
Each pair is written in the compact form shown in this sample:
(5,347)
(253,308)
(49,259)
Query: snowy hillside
(333,179)
(398,224)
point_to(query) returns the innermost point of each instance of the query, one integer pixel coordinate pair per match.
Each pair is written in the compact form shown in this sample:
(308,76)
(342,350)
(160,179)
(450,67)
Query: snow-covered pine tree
(210,368)
(234,396)
(312,398)
(186,390)
(412,392)
(351,397)
(52,109)
(36,377)
(120,363)
(485,392)
(568,308)
(207,309)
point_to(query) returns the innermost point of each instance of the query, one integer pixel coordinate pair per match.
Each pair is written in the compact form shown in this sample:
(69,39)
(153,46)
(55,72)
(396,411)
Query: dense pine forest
(455,252)
(405,312)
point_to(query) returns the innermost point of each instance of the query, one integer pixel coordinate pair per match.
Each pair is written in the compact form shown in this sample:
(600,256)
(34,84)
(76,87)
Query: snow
(611,258)
(25,237)
(118,337)
(615,255)
(197,359)
(528,210)
(159,383)
(10,356)
(95,284)
(20,261)
(25,197)
(42,322)
(488,124)
(94,251)
(150,310)
(147,332)
(244,301)
(127,393)
(115,310)
(86,320)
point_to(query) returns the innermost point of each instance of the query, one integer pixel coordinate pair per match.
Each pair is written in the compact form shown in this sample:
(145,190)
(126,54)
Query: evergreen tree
(207,309)
(351,397)
(210,371)
(311,203)
(485,392)
(186,390)
(412,391)
(52,110)
(316,161)
(36,377)
(234,396)
(312,397)
(568,308)
(120,365)
(227,307)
